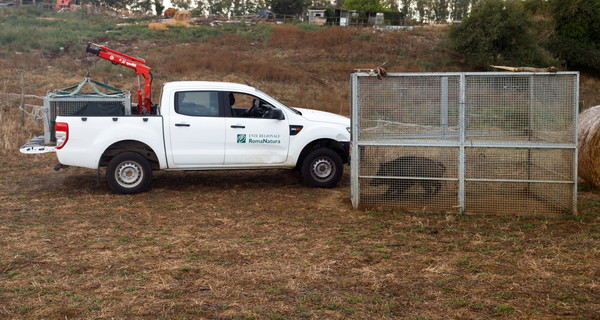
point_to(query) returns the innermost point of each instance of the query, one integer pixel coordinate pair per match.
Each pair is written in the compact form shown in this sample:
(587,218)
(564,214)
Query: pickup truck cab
(202,125)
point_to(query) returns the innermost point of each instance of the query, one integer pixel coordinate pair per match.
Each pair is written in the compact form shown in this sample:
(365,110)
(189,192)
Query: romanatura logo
(258,138)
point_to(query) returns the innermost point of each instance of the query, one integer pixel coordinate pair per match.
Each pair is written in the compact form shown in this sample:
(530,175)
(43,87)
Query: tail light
(62,134)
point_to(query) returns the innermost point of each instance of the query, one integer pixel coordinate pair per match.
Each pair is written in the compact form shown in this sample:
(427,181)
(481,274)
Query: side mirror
(277,114)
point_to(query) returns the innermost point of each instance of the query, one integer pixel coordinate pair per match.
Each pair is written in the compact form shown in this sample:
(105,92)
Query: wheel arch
(130,146)
(339,147)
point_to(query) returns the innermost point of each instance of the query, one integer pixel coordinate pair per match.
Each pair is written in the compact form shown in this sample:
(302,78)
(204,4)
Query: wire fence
(466,142)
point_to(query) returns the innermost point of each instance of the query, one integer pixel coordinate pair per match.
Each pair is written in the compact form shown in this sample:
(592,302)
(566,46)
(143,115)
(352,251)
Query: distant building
(317,17)
(343,17)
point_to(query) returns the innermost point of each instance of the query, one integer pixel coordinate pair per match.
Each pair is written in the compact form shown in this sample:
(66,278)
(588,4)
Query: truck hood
(322,116)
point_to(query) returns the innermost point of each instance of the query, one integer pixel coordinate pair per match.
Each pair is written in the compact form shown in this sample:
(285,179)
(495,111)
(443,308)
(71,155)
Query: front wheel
(129,172)
(322,168)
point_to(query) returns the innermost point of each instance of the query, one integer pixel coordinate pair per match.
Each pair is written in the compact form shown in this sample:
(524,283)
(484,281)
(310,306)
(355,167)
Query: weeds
(504,309)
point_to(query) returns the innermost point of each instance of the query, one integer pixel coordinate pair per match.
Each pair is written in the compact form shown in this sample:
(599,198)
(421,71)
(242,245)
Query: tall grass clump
(13,134)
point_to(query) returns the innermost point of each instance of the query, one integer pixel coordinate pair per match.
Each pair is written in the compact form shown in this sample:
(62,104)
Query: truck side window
(247,106)
(197,103)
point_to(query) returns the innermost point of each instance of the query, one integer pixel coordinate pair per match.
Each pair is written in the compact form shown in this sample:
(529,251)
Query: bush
(498,32)
(575,38)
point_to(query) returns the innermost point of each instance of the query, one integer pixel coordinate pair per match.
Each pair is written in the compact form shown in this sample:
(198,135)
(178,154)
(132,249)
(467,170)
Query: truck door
(253,137)
(197,130)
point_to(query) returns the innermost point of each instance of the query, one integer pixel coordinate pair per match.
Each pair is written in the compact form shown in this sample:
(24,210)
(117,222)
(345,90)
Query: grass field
(259,244)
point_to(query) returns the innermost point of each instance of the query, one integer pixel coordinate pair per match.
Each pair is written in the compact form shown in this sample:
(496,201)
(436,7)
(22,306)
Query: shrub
(575,38)
(498,32)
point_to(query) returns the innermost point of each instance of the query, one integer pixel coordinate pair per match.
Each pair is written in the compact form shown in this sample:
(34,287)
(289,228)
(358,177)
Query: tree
(393,5)
(114,4)
(459,9)
(182,4)
(291,7)
(216,7)
(364,5)
(576,37)
(423,7)
(440,10)
(143,6)
(498,32)
(407,8)
(159,7)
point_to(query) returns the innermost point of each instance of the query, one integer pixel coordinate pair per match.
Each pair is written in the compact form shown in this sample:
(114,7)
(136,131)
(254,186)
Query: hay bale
(183,16)
(589,146)
(157,26)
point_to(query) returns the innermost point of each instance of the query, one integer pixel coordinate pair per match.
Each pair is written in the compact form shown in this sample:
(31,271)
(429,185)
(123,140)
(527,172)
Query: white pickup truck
(202,125)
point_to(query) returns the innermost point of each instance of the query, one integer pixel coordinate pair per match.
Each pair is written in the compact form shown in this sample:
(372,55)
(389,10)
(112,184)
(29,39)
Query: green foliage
(498,32)
(144,6)
(576,37)
(459,9)
(114,4)
(364,5)
(394,17)
(182,4)
(440,10)
(215,7)
(159,7)
(291,7)
(535,6)
(424,10)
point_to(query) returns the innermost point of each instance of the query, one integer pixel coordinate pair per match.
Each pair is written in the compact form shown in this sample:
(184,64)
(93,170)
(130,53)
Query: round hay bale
(183,16)
(589,146)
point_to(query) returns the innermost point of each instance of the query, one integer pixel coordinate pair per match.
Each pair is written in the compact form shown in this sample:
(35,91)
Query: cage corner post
(462,120)
(354,148)
(576,141)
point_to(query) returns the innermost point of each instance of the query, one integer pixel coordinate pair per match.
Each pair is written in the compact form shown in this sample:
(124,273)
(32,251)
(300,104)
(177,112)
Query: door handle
(182,124)
(237,126)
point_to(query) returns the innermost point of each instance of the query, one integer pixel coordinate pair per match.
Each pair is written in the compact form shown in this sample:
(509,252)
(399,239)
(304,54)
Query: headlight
(349,129)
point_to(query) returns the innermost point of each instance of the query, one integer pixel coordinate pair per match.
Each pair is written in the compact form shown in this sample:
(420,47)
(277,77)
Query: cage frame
(462,142)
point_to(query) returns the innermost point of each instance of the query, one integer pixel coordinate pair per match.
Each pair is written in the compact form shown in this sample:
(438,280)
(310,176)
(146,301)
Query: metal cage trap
(495,143)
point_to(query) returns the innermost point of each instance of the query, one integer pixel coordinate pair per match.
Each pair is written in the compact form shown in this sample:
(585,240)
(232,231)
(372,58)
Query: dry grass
(258,245)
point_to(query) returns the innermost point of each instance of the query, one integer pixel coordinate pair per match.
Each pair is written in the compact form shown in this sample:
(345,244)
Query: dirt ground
(259,245)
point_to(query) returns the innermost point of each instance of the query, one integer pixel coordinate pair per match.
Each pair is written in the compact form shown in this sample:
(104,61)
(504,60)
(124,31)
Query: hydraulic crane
(137,64)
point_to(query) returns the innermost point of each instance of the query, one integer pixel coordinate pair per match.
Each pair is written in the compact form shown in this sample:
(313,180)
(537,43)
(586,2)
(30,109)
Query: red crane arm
(137,64)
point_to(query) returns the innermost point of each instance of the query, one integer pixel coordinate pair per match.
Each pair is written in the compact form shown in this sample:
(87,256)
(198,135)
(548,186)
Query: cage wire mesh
(466,142)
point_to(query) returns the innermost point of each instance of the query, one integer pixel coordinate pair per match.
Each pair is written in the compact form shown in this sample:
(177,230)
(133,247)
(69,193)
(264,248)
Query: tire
(129,173)
(322,168)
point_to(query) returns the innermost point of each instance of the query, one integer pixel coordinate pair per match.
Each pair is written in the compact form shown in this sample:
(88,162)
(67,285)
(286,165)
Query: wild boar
(410,166)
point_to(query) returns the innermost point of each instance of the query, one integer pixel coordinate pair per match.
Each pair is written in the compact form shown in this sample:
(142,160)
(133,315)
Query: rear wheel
(129,172)
(322,168)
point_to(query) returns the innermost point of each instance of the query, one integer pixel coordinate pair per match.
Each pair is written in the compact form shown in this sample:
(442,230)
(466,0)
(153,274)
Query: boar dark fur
(410,166)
